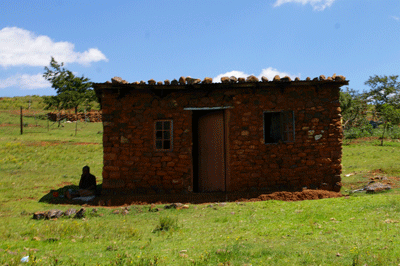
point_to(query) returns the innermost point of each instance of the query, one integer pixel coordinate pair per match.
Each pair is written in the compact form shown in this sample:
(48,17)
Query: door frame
(226,120)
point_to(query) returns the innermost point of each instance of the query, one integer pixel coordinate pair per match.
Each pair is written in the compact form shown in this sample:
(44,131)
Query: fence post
(22,125)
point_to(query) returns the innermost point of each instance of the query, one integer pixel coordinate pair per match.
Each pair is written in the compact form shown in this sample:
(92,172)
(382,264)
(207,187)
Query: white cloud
(318,5)
(238,74)
(269,73)
(395,18)
(20,47)
(25,81)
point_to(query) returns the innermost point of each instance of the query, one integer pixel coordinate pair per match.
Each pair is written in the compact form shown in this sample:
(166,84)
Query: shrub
(166,223)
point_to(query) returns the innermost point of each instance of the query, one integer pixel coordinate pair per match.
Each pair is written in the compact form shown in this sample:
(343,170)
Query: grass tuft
(166,223)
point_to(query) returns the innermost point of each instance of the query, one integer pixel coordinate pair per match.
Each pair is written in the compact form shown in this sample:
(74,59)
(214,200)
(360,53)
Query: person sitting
(87,185)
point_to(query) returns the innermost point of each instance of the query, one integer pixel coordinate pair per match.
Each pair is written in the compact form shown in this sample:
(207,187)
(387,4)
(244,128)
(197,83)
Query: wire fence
(33,121)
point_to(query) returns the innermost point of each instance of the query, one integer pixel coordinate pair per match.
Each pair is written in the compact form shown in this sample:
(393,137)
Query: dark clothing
(88,182)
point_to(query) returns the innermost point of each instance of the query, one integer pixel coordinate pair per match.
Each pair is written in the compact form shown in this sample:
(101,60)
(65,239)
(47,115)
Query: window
(278,126)
(163,135)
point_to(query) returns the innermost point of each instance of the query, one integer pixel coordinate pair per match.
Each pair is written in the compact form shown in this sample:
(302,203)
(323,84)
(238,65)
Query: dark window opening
(163,135)
(279,126)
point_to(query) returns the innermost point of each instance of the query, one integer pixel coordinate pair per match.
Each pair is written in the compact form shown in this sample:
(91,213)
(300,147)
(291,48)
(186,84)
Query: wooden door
(211,151)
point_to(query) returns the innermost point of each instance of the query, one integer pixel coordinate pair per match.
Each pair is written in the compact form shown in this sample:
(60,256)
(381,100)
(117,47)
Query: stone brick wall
(92,116)
(313,160)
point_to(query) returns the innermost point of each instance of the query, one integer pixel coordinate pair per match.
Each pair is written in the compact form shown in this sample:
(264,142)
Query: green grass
(365,159)
(353,230)
(32,102)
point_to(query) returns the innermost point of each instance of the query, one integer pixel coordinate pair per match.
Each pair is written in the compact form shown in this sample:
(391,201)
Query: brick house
(240,135)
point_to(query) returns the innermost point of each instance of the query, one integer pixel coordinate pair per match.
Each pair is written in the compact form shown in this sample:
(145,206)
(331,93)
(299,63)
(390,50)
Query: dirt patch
(307,194)
(9,125)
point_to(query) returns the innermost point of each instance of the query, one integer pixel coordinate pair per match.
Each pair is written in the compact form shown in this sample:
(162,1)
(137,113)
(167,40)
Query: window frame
(170,139)
(287,132)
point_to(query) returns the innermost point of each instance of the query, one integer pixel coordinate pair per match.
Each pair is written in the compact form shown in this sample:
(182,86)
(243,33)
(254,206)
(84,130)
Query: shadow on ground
(56,196)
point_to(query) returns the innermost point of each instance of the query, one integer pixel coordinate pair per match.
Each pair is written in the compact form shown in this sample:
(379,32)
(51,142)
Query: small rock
(80,213)
(51,214)
(277,78)
(39,215)
(264,79)
(70,212)
(241,80)
(252,79)
(225,80)
(207,80)
(151,82)
(174,82)
(233,79)
(167,82)
(189,80)
(197,81)
(182,80)
(177,205)
(115,212)
(116,80)
(340,78)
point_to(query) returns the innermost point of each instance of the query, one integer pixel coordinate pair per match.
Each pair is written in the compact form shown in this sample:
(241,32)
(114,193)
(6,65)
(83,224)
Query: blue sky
(142,40)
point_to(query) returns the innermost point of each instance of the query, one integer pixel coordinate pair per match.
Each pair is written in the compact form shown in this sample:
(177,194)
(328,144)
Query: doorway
(209,174)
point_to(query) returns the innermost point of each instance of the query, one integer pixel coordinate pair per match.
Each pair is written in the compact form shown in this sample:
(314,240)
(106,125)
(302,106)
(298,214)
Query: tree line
(379,106)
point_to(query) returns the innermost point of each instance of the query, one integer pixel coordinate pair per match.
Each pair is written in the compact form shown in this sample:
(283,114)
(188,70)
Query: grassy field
(360,229)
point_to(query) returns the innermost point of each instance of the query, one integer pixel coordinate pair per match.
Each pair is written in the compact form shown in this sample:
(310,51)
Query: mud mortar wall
(313,160)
